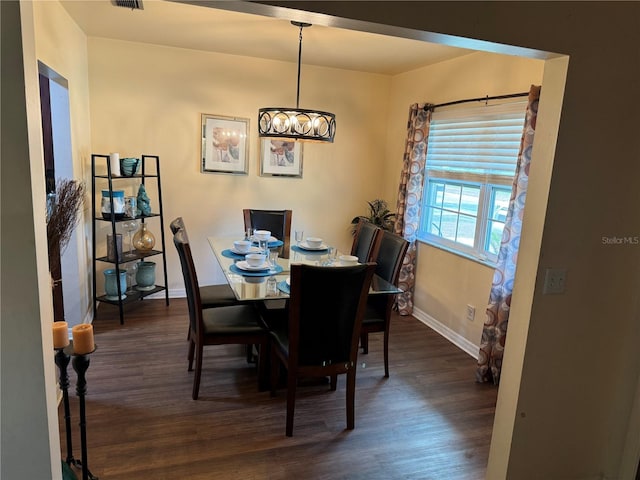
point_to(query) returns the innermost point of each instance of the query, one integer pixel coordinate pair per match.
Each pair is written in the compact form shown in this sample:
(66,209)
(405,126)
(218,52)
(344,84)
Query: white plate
(243,265)
(271,239)
(251,250)
(305,246)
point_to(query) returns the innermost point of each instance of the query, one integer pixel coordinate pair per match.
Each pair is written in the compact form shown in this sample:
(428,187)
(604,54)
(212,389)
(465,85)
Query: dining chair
(278,222)
(366,241)
(210,295)
(237,324)
(326,307)
(377,316)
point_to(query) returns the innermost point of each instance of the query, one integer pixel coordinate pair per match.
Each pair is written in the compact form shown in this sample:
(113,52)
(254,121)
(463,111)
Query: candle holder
(62,361)
(80,363)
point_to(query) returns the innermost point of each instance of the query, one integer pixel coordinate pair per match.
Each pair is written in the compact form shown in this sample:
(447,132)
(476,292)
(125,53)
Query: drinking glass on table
(263,245)
(273,260)
(332,254)
(248,234)
(299,236)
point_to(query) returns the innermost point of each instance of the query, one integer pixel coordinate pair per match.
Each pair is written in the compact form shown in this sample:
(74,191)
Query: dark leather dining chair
(237,324)
(377,317)
(366,241)
(326,306)
(210,295)
(278,222)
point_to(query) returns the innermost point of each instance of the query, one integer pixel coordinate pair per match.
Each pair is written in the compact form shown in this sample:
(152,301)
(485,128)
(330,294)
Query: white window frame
(488,172)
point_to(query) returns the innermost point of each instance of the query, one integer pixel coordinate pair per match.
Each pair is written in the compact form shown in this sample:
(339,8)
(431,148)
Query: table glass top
(263,285)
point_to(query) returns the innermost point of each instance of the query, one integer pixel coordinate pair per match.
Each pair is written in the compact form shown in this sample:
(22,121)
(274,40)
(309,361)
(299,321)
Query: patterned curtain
(409,198)
(494,332)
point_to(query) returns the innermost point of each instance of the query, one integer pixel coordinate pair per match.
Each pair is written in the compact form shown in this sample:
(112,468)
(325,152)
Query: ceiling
(202,28)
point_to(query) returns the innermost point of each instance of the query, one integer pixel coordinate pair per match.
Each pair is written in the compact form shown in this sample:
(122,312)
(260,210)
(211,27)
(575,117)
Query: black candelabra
(80,363)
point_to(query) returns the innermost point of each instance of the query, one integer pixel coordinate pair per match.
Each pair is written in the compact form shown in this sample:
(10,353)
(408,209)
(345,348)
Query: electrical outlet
(471,312)
(554,280)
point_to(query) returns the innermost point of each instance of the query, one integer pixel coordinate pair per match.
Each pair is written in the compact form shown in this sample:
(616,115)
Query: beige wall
(62,46)
(148,99)
(446,283)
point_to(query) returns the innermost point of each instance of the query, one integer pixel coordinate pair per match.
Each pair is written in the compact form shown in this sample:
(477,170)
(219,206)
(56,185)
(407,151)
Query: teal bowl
(129,166)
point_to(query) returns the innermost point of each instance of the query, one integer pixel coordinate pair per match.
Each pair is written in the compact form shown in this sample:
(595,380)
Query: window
(471,160)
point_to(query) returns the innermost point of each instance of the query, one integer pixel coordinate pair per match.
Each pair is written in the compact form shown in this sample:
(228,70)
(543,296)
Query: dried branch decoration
(63,213)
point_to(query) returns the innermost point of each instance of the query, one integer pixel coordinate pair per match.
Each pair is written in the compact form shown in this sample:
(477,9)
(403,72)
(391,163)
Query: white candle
(83,339)
(115,164)
(60,334)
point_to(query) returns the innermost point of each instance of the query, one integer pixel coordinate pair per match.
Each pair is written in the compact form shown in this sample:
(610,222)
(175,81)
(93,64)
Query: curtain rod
(479,99)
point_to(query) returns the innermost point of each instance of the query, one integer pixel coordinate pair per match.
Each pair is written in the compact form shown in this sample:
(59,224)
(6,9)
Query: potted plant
(379,215)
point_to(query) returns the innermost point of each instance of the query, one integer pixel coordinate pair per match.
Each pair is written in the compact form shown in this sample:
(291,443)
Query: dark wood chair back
(177,224)
(278,222)
(366,241)
(326,307)
(194,301)
(377,318)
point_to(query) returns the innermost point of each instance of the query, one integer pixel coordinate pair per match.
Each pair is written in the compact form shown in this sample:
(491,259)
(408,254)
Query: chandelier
(297,123)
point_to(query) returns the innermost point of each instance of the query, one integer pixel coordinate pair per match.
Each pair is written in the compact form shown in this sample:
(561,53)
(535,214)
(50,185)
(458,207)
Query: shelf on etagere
(136,255)
(132,296)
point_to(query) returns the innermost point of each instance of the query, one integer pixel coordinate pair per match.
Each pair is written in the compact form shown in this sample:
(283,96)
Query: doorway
(58,161)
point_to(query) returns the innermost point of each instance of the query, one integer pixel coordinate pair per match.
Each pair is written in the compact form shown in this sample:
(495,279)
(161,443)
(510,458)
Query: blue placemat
(271,243)
(229,254)
(283,287)
(298,249)
(261,273)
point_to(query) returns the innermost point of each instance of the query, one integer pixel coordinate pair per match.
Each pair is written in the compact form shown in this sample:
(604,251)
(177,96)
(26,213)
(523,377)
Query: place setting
(257,265)
(240,249)
(309,244)
(258,236)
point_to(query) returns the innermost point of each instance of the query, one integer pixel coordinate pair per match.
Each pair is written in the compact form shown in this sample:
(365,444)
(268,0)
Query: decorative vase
(143,240)
(146,276)
(111,285)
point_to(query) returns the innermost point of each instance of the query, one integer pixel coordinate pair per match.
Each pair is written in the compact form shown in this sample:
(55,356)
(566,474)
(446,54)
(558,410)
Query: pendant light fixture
(297,123)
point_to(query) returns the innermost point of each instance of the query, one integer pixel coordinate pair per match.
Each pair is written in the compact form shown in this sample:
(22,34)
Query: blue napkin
(283,287)
(229,254)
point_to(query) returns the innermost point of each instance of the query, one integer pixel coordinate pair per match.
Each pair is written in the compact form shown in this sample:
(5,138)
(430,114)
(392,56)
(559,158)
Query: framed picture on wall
(225,145)
(280,158)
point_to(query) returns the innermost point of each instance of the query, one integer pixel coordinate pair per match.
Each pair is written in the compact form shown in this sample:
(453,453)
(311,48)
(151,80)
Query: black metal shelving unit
(146,174)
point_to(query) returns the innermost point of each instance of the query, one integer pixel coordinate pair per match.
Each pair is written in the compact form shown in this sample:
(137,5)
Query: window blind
(476,140)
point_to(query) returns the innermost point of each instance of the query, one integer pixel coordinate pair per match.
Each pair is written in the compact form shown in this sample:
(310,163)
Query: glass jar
(143,240)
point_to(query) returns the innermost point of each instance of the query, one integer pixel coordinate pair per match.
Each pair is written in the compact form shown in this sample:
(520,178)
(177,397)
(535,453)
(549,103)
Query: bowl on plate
(314,242)
(255,259)
(242,246)
(348,260)
(262,235)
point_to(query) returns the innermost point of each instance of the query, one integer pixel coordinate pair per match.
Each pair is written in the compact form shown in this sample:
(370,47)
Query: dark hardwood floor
(429,420)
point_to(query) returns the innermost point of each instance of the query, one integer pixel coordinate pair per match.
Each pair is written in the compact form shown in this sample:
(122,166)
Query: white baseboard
(454,337)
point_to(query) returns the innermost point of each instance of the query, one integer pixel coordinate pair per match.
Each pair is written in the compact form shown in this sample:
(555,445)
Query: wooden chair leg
(192,348)
(351,395)
(291,400)
(364,342)
(334,382)
(386,353)
(196,377)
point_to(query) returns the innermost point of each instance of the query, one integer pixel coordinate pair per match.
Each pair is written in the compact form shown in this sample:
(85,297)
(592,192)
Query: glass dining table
(266,284)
